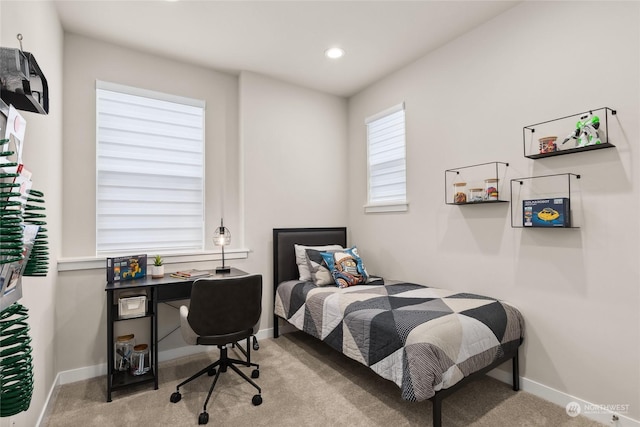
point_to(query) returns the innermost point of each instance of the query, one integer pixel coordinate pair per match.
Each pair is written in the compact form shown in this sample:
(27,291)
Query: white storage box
(134,306)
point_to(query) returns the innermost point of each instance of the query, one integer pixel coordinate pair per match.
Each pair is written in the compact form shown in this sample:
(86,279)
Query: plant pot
(157,271)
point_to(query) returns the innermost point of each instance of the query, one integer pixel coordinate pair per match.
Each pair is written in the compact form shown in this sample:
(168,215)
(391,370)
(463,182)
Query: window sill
(387,207)
(90,263)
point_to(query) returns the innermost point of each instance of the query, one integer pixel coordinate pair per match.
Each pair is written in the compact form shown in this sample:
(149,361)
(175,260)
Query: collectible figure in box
(546,212)
(126,268)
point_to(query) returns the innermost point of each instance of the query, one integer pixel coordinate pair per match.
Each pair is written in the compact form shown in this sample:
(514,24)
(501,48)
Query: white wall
(42,154)
(294,169)
(467,103)
(87,60)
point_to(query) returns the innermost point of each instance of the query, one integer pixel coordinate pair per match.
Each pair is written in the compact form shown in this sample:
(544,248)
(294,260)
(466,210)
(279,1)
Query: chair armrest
(189,336)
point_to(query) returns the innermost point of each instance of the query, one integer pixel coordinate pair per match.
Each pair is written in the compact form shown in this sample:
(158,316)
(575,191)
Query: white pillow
(320,273)
(301,259)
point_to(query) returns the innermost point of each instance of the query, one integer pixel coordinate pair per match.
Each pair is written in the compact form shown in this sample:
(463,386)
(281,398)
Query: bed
(429,341)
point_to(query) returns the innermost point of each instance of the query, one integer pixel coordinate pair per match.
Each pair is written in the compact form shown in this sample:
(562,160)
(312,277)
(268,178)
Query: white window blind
(150,172)
(387,158)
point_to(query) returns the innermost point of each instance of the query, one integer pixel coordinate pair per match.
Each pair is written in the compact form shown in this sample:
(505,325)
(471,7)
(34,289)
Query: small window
(150,171)
(386,156)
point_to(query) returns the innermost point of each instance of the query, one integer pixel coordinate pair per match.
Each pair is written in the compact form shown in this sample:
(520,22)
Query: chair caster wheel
(175,397)
(255,374)
(256,346)
(211,372)
(257,400)
(203,418)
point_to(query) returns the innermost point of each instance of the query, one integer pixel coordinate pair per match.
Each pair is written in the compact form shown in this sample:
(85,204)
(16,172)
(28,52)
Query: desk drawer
(173,292)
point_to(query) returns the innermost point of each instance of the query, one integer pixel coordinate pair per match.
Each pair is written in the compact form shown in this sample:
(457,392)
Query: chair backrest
(225,306)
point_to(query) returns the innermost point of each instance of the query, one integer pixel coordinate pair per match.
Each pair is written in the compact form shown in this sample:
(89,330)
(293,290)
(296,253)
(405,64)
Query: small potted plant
(157,269)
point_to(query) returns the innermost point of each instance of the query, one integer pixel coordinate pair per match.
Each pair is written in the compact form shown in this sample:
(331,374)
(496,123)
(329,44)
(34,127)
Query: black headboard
(284,258)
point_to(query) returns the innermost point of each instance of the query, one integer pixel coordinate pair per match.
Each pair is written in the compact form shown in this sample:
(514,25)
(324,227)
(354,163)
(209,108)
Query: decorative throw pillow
(320,272)
(301,258)
(347,268)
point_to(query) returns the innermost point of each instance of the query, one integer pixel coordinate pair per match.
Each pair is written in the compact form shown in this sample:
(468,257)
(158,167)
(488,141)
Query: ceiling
(283,39)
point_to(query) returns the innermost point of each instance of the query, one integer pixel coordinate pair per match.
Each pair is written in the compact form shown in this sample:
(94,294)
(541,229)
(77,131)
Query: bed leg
(437,411)
(275,326)
(516,372)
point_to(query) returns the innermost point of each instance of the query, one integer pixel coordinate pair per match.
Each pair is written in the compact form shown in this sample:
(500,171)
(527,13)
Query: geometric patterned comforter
(423,339)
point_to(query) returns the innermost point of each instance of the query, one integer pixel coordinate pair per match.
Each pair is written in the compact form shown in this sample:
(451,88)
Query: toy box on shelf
(546,201)
(126,268)
(546,212)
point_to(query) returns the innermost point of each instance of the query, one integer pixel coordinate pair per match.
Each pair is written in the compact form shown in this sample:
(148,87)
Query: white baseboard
(88,372)
(588,409)
(49,400)
(73,375)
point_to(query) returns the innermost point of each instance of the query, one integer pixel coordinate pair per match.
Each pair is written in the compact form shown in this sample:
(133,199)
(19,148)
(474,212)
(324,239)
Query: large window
(386,157)
(150,172)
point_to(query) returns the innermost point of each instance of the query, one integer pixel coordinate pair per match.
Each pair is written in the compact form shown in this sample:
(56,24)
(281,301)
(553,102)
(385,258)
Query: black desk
(157,291)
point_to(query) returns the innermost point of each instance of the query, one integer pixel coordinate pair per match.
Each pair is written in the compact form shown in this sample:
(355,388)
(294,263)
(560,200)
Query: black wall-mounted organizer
(538,191)
(566,126)
(22,219)
(478,173)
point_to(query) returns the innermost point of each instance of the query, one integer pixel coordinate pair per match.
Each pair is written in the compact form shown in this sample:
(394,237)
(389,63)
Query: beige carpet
(304,383)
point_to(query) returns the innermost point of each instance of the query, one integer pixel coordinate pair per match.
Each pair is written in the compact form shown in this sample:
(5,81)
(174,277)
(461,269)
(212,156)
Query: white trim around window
(386,161)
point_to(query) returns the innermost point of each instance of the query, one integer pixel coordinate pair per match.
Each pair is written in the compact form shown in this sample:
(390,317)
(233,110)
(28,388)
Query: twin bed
(429,341)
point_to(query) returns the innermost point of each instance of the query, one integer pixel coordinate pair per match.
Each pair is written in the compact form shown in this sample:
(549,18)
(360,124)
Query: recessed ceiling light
(334,52)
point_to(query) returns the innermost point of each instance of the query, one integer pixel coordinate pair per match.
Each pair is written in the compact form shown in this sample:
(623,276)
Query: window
(150,171)
(386,161)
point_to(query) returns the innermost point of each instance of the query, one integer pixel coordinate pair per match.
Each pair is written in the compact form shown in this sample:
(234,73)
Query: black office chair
(222,312)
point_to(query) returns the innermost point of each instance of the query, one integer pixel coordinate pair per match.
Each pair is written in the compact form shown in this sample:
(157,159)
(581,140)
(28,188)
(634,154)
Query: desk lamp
(222,237)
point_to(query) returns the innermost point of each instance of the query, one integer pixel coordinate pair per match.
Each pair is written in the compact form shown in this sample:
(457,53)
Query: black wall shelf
(563,124)
(480,172)
(483,202)
(517,220)
(571,151)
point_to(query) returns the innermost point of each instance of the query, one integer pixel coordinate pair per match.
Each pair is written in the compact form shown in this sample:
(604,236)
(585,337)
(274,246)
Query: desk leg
(154,335)
(110,350)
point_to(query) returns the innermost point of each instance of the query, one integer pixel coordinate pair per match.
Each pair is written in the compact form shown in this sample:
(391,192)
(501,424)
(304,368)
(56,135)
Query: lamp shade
(222,236)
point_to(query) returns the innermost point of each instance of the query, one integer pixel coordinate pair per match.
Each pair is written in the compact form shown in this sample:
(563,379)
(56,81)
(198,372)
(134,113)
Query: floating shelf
(565,126)
(483,202)
(538,193)
(476,174)
(571,151)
